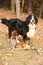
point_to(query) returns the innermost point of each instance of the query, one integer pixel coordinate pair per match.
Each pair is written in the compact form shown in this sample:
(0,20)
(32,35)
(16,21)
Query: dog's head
(31,19)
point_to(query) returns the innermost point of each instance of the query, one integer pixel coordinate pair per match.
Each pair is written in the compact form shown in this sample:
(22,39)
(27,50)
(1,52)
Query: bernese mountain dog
(26,28)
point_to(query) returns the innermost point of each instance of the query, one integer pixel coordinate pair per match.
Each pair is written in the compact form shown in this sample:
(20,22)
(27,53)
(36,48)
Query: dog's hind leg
(9,34)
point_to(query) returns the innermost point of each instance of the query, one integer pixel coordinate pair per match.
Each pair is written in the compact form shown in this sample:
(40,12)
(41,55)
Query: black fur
(18,25)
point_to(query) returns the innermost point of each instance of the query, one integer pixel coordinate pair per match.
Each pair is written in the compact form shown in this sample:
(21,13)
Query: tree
(12,6)
(22,5)
(41,9)
(18,8)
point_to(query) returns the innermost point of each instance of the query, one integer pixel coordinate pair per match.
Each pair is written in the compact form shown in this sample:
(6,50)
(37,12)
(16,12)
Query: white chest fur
(31,31)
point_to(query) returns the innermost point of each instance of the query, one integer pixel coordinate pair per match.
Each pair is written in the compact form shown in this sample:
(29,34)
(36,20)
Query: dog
(26,28)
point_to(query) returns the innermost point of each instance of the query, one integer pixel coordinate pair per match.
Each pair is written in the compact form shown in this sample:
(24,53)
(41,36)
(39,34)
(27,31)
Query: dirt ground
(19,56)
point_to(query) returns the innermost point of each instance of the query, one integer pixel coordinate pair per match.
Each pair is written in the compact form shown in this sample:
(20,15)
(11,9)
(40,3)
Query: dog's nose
(32,20)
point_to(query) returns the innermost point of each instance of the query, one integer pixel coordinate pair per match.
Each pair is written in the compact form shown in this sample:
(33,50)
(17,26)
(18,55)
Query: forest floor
(19,56)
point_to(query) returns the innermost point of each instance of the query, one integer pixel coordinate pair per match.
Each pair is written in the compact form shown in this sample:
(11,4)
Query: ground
(19,56)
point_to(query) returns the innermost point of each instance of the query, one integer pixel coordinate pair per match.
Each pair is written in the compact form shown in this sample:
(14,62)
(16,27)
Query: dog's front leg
(26,44)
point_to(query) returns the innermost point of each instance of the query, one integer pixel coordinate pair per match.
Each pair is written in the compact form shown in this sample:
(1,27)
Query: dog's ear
(28,19)
(36,19)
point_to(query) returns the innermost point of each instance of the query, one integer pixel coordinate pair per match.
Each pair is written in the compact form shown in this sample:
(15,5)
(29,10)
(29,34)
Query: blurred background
(25,6)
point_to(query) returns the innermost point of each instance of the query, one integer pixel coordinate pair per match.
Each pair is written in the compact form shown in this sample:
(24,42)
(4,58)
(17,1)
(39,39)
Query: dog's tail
(5,21)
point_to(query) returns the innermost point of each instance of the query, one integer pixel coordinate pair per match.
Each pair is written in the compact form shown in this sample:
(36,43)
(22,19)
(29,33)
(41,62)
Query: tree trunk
(18,8)
(22,5)
(41,8)
(12,6)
